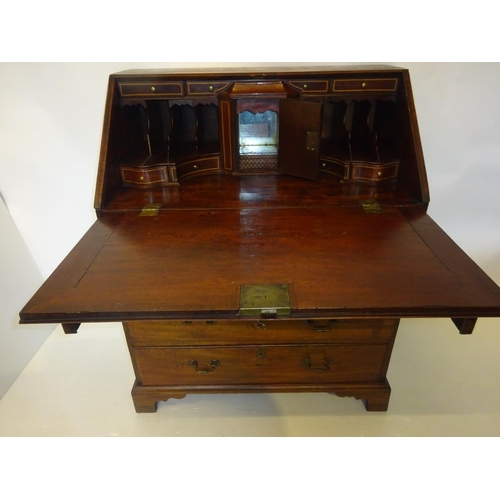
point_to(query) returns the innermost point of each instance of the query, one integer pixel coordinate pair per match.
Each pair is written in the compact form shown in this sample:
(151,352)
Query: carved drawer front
(145,177)
(206,88)
(370,172)
(152,89)
(232,333)
(310,86)
(365,85)
(197,166)
(159,366)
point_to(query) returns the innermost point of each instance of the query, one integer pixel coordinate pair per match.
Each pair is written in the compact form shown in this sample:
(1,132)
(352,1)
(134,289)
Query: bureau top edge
(253,72)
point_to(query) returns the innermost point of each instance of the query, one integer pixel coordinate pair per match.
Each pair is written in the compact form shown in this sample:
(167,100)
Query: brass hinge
(265,301)
(150,210)
(371,207)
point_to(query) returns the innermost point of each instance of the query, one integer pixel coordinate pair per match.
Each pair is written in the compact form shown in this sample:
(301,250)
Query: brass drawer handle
(321,326)
(325,367)
(215,363)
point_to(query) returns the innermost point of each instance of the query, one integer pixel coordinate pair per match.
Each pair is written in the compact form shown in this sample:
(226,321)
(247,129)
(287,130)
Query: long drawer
(260,365)
(261,332)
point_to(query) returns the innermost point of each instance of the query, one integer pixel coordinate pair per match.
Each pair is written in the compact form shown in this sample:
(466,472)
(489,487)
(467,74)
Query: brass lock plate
(265,301)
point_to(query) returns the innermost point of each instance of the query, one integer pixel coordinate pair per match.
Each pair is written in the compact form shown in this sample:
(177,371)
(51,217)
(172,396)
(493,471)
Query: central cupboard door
(299,137)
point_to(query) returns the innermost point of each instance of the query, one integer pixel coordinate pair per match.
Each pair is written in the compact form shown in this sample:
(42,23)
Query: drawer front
(260,365)
(153,89)
(337,168)
(206,88)
(310,86)
(202,333)
(374,173)
(144,177)
(365,85)
(197,166)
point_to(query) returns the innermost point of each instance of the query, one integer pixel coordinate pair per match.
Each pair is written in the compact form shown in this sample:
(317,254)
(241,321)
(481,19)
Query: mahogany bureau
(260,231)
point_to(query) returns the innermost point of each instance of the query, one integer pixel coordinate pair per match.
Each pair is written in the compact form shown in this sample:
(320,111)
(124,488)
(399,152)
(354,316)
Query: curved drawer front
(338,168)
(179,333)
(145,177)
(197,166)
(260,365)
(369,172)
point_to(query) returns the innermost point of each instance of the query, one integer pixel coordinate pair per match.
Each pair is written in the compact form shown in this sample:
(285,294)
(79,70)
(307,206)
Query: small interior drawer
(310,86)
(338,168)
(374,173)
(152,89)
(144,177)
(196,166)
(365,85)
(206,88)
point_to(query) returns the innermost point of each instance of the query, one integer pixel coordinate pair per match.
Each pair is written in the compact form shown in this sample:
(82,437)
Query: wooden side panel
(412,172)
(108,175)
(299,137)
(227,135)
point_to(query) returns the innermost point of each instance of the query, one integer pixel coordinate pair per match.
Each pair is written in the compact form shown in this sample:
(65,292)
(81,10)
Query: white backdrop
(51,124)
(49,152)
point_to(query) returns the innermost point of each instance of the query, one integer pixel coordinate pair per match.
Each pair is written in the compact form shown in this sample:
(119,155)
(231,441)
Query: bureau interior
(159,132)
(353,129)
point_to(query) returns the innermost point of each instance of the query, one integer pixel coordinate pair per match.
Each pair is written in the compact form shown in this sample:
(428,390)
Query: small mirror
(258,134)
